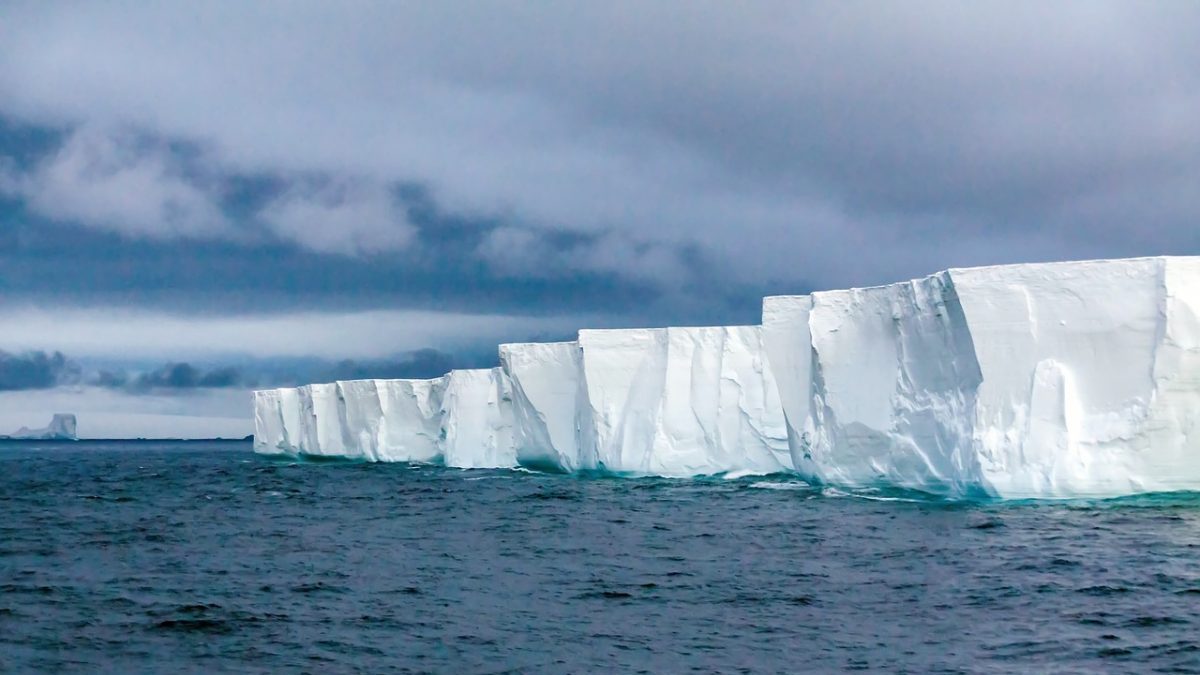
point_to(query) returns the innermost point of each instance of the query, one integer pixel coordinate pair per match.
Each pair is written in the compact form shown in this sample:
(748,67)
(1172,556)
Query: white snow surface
(1038,380)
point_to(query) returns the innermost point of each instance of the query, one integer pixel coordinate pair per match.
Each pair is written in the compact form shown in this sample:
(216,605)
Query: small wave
(743,473)
(605,595)
(194,625)
(787,485)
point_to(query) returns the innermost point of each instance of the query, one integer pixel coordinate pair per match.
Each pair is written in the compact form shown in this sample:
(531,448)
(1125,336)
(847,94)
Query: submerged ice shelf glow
(1039,380)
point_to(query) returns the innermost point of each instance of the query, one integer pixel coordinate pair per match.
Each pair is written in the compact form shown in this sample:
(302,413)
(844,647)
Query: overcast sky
(262,191)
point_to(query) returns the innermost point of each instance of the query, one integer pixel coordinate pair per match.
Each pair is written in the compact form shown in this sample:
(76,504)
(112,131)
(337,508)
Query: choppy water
(206,558)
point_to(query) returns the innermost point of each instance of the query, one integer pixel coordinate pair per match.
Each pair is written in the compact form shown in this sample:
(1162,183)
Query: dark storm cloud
(36,370)
(179,376)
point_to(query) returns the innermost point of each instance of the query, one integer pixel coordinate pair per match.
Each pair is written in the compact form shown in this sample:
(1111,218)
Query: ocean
(203,557)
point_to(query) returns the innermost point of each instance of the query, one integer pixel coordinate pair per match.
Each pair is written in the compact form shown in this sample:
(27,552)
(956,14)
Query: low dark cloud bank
(36,370)
(172,376)
(46,370)
(421,364)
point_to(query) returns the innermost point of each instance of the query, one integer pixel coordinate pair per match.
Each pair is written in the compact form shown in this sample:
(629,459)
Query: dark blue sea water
(173,558)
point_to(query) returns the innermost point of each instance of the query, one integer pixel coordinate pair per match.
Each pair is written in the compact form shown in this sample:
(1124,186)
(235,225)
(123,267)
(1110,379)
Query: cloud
(788,144)
(35,370)
(420,364)
(344,217)
(117,333)
(185,376)
(120,182)
(517,252)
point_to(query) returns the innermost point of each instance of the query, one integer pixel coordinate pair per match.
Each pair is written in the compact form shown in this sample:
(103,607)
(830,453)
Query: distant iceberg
(1018,381)
(62,427)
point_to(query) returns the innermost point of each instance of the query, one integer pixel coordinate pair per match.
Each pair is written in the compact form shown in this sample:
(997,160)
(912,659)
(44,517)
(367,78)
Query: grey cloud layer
(35,370)
(778,144)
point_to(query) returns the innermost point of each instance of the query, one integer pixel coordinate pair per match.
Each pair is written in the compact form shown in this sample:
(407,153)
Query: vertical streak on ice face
(363,416)
(410,420)
(788,346)
(328,420)
(624,372)
(1174,428)
(477,421)
(291,419)
(683,401)
(1067,352)
(306,437)
(895,383)
(546,384)
(268,425)
(751,420)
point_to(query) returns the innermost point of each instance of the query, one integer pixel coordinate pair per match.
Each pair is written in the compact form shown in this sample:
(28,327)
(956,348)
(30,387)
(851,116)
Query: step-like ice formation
(1042,380)
(1065,379)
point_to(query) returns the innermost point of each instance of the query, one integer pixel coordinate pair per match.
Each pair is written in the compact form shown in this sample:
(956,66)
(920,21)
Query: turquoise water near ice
(203,557)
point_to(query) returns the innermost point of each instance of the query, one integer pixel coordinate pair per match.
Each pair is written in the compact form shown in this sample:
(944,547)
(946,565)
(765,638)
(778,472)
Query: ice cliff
(1040,380)
(1050,380)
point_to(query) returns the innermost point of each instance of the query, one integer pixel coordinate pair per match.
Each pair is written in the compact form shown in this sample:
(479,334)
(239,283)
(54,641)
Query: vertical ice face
(1058,379)
(894,381)
(547,387)
(325,417)
(681,402)
(1081,366)
(477,420)
(362,417)
(410,425)
(268,424)
(787,344)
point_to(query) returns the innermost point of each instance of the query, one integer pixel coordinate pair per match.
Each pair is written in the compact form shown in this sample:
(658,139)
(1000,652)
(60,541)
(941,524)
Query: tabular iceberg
(62,427)
(1041,380)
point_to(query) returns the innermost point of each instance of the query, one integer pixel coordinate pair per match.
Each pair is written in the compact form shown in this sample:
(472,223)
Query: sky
(197,199)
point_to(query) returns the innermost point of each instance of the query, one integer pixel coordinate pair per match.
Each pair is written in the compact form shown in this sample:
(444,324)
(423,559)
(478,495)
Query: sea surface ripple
(191,557)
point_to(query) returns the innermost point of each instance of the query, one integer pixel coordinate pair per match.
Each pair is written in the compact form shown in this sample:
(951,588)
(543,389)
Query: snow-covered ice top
(1040,380)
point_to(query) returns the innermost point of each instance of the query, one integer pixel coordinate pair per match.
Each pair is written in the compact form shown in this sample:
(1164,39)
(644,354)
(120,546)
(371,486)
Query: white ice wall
(1081,367)
(548,398)
(410,425)
(269,438)
(681,402)
(477,420)
(376,420)
(1042,380)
